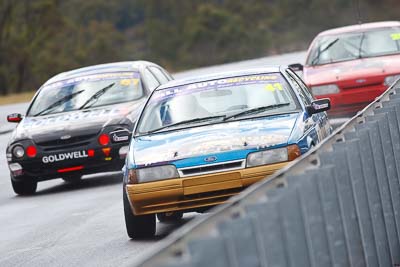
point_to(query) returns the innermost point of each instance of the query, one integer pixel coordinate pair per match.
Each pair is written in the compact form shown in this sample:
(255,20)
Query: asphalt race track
(79,224)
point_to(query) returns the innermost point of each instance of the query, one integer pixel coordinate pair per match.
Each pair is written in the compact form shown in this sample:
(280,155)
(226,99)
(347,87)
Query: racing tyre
(72,179)
(169,216)
(24,188)
(143,226)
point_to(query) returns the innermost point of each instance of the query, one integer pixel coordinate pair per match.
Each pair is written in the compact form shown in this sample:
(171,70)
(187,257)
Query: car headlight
(273,156)
(18,151)
(152,174)
(389,80)
(325,89)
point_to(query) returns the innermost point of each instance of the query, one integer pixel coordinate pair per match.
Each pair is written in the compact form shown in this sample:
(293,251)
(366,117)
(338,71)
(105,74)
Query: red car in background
(353,65)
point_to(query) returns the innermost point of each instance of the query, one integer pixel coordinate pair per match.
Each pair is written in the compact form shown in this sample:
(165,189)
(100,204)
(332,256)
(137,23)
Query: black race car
(80,122)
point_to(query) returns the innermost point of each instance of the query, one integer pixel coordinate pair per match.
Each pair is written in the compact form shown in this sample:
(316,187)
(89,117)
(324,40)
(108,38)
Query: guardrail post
(348,212)
(209,252)
(389,139)
(331,210)
(241,240)
(384,189)
(313,217)
(293,225)
(374,198)
(357,177)
(266,219)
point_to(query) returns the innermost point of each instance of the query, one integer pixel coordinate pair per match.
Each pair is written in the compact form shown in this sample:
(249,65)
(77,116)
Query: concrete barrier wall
(339,205)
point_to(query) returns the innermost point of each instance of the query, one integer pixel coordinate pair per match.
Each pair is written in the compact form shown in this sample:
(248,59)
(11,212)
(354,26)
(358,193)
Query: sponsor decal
(233,81)
(238,136)
(207,144)
(97,77)
(273,80)
(65,156)
(72,116)
(321,106)
(117,138)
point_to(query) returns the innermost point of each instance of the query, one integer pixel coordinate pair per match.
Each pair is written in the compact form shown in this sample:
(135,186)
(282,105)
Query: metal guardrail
(339,205)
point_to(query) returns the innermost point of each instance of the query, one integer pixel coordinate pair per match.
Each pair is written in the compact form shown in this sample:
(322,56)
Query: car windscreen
(215,100)
(349,46)
(87,92)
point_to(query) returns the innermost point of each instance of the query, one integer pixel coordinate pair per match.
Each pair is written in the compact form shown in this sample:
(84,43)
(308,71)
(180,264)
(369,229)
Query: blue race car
(200,141)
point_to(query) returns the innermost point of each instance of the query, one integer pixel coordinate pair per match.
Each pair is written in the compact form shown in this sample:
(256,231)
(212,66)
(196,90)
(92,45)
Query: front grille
(363,85)
(67,146)
(220,193)
(213,168)
(193,202)
(75,140)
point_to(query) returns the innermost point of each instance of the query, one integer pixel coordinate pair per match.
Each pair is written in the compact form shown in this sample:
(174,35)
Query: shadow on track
(85,183)
(164,229)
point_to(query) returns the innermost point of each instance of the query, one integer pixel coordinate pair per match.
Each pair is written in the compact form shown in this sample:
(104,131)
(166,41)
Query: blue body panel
(228,141)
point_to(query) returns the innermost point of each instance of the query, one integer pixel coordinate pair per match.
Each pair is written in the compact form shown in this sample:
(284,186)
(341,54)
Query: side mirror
(296,67)
(15,117)
(318,106)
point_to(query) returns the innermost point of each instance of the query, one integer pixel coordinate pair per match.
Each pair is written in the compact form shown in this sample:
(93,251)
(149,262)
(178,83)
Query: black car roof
(215,76)
(101,68)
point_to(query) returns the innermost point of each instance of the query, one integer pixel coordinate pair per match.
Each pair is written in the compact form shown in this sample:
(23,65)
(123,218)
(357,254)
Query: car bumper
(349,101)
(44,175)
(36,169)
(195,192)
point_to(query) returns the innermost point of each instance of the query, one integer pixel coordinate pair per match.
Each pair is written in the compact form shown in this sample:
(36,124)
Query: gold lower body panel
(194,192)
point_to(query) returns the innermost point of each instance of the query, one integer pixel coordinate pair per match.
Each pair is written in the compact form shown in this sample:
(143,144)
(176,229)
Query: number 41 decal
(272,87)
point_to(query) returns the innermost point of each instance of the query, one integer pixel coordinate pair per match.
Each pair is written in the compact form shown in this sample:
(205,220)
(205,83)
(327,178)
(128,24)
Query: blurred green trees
(39,38)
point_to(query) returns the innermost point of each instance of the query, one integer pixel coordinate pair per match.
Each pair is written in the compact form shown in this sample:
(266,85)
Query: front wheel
(24,187)
(138,226)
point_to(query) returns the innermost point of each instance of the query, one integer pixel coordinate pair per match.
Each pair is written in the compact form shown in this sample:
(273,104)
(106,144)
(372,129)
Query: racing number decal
(127,82)
(395,36)
(272,87)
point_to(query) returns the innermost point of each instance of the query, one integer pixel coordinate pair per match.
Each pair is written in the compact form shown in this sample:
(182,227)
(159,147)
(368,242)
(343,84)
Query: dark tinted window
(303,86)
(300,91)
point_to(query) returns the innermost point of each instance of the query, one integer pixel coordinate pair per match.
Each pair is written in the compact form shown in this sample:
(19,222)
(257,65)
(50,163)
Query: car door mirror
(15,117)
(318,106)
(296,67)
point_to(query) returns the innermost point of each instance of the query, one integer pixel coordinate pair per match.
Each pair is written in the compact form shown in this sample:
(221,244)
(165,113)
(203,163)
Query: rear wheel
(24,187)
(138,226)
(169,216)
